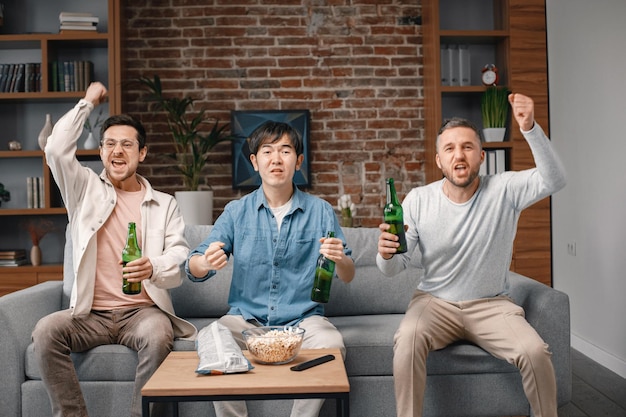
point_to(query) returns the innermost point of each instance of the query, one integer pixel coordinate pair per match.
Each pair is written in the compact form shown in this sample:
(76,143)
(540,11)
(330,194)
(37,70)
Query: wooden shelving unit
(22,115)
(512,35)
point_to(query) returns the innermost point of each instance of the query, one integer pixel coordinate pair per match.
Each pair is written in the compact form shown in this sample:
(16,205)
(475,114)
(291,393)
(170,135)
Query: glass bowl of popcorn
(273,345)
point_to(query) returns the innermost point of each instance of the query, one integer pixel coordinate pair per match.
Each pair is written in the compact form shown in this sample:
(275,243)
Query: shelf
(32,212)
(53,95)
(473,36)
(31,268)
(496,32)
(81,153)
(498,145)
(86,35)
(37,40)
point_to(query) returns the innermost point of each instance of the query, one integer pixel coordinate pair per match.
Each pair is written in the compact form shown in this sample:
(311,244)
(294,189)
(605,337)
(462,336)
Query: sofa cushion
(368,340)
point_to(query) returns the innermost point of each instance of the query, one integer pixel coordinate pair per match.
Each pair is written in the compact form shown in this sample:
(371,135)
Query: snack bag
(218,351)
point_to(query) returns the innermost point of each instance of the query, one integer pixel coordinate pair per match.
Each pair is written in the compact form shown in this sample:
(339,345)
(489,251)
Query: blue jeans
(146,330)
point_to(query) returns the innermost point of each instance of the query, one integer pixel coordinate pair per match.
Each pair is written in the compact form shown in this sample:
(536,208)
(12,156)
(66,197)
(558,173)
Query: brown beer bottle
(130,253)
(394,216)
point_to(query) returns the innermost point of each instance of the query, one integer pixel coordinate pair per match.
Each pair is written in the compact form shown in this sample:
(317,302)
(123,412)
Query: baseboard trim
(599,355)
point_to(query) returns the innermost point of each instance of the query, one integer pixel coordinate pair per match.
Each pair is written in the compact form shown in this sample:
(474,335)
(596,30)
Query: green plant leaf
(192,146)
(494,107)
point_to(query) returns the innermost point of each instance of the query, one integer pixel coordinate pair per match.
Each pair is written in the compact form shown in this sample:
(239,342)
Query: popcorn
(275,346)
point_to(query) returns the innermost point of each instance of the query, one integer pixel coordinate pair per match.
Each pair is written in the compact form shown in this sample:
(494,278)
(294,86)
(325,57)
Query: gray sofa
(463,380)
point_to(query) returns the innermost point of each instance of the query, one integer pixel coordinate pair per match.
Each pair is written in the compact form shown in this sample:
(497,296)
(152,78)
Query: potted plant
(192,143)
(494,108)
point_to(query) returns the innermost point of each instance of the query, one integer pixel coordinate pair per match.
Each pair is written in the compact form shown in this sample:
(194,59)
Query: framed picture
(243,123)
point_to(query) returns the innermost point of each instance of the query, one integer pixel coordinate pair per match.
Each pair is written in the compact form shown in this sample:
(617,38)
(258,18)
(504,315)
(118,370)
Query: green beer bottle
(323,277)
(130,253)
(394,216)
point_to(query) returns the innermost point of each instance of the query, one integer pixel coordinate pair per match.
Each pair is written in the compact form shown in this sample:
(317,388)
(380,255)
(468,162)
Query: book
(30,203)
(18,83)
(12,253)
(13,262)
(445,64)
(86,24)
(38,77)
(78,17)
(2,74)
(70,28)
(41,203)
(464,65)
(453,54)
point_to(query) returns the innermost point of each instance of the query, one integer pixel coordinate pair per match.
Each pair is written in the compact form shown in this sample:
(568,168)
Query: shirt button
(272,308)
(274,287)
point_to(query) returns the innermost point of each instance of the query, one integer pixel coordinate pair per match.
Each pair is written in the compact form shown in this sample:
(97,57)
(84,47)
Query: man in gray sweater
(465,225)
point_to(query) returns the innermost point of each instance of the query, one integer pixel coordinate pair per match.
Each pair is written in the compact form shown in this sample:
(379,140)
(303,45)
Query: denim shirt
(273,271)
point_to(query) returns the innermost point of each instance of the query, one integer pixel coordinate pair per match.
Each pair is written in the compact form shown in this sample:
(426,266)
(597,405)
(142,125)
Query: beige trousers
(319,334)
(495,324)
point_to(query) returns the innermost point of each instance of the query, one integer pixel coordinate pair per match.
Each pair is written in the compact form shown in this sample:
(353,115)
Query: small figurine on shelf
(15,145)
(347,210)
(5,195)
(91,142)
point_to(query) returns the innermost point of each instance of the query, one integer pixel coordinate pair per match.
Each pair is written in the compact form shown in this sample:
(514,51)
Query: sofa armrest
(19,313)
(548,311)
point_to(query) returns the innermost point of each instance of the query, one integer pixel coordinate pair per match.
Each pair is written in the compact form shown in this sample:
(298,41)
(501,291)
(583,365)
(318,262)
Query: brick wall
(353,63)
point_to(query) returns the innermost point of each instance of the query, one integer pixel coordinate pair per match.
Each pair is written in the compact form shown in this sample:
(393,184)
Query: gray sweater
(466,248)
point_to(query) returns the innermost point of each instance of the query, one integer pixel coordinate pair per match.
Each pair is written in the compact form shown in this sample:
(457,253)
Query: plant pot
(494,134)
(195,206)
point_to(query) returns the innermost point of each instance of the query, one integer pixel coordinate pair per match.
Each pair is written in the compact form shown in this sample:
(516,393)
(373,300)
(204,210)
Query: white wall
(587,80)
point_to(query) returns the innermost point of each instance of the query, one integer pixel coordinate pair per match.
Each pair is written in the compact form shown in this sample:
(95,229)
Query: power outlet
(571,248)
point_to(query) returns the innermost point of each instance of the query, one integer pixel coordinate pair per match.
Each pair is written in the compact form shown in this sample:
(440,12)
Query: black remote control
(313,362)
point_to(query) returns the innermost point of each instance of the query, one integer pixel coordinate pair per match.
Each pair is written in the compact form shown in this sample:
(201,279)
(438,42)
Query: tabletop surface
(177,377)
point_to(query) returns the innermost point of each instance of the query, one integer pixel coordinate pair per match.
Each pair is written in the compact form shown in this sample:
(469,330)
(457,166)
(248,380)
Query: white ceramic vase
(46,131)
(90,142)
(195,206)
(494,134)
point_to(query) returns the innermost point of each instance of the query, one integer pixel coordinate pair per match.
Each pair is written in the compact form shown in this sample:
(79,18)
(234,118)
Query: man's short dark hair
(270,132)
(457,122)
(125,120)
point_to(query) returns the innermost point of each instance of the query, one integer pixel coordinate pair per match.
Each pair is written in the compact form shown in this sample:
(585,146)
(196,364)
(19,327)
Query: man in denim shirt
(274,234)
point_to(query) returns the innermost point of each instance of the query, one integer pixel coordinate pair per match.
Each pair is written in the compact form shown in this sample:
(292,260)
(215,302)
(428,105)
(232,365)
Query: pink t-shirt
(108,293)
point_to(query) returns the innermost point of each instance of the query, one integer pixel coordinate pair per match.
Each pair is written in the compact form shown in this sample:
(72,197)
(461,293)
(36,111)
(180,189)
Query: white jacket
(90,198)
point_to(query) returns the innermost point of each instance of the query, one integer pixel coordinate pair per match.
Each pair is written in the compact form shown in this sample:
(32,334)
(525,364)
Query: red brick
(348,62)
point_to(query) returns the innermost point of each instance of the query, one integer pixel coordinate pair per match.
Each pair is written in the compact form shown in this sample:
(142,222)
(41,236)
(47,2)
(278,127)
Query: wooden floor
(596,391)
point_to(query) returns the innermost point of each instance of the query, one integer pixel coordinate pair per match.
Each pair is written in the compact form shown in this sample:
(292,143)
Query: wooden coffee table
(176,381)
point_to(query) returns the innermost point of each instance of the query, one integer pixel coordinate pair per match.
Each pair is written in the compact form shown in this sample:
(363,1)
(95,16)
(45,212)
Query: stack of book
(13,257)
(20,77)
(71,75)
(77,21)
(34,192)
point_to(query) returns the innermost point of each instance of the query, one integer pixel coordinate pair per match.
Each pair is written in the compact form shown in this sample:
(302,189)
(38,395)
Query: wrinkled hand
(137,270)
(523,109)
(96,93)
